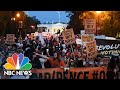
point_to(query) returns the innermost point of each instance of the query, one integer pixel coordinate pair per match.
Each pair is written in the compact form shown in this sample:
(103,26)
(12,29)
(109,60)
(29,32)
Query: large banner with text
(108,47)
(71,73)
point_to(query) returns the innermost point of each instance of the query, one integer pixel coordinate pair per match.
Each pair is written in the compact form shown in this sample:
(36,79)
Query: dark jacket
(110,74)
(36,63)
(47,64)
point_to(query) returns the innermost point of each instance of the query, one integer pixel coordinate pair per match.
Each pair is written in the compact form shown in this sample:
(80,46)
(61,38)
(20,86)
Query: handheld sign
(68,36)
(87,37)
(10,38)
(90,26)
(91,49)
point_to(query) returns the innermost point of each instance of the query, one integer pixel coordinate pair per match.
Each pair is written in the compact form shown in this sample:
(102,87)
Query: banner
(91,49)
(108,47)
(10,38)
(71,73)
(90,26)
(87,37)
(68,36)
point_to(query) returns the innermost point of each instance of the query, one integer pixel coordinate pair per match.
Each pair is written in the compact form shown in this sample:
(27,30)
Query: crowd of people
(53,53)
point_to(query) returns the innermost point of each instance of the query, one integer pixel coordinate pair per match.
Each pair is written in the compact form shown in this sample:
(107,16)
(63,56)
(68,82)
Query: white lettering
(99,47)
(17,73)
(13,72)
(9,72)
(25,72)
(111,46)
(30,73)
(6,73)
(108,47)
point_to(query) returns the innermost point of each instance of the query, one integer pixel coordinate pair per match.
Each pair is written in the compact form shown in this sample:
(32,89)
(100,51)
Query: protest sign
(90,26)
(78,41)
(68,36)
(91,49)
(71,73)
(10,38)
(82,32)
(108,47)
(87,37)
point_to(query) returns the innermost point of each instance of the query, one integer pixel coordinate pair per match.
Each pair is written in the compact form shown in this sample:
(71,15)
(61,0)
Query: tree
(109,21)
(75,21)
(31,21)
(13,25)
(9,26)
(4,18)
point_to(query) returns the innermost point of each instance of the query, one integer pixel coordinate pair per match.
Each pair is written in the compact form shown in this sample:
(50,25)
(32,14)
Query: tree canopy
(10,25)
(109,21)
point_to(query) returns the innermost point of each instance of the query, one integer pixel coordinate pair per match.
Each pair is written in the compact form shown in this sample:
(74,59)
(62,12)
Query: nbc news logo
(17,65)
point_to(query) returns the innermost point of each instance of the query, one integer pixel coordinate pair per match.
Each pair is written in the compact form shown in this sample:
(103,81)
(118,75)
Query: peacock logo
(17,62)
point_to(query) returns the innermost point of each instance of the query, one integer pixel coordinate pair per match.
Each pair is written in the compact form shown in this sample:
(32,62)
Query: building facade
(53,28)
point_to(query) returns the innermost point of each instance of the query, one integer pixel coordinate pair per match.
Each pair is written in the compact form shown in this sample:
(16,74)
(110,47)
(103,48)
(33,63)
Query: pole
(59,15)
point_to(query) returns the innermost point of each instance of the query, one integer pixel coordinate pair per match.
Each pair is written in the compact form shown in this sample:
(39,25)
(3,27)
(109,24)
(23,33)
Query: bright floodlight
(18,15)
(98,12)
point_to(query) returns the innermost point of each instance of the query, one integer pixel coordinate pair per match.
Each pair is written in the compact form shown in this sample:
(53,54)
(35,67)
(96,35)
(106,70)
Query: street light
(18,15)
(13,19)
(59,15)
(98,12)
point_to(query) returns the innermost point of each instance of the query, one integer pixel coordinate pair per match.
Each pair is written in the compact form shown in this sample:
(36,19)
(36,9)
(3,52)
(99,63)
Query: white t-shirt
(41,38)
(42,61)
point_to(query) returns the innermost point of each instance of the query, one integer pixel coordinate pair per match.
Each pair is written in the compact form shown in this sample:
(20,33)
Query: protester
(53,53)
(40,37)
(110,72)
